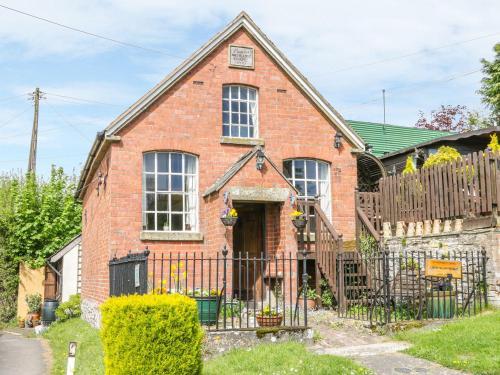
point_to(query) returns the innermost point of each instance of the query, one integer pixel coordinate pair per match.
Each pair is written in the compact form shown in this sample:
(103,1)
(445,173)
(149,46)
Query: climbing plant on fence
(37,217)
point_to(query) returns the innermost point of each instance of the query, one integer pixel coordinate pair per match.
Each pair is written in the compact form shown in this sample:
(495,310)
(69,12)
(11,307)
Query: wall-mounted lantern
(338,140)
(260,160)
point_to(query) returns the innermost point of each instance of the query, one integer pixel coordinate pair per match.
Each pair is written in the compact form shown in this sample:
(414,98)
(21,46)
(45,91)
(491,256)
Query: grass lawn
(89,351)
(286,358)
(469,344)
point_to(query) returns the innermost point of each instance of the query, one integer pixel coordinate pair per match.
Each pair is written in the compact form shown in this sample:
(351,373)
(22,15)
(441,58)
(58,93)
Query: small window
(170,192)
(239,111)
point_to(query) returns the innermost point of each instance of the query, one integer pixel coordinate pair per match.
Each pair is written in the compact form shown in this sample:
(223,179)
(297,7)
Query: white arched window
(170,192)
(312,179)
(239,112)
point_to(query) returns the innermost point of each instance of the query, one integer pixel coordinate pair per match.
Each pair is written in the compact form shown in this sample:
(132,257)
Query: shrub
(151,334)
(34,302)
(444,155)
(69,309)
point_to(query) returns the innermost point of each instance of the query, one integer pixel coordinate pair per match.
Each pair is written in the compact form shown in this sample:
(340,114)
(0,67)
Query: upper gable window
(239,111)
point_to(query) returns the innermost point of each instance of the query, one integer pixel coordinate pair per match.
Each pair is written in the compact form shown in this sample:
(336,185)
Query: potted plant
(311,299)
(269,317)
(34,302)
(298,219)
(229,217)
(208,303)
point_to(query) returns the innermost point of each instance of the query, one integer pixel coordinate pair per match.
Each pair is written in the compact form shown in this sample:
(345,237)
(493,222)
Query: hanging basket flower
(229,217)
(299,219)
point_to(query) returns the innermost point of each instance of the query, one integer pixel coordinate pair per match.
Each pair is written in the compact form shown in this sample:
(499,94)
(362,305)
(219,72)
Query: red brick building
(162,172)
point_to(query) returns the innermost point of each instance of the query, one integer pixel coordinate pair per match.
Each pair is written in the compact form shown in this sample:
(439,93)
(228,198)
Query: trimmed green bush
(151,334)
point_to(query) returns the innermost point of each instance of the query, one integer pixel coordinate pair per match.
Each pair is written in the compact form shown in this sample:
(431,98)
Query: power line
(427,83)
(419,52)
(68,123)
(124,44)
(12,97)
(81,99)
(14,117)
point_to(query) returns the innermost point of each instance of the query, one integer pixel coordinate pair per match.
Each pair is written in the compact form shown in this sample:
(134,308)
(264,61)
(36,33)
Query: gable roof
(242,21)
(451,137)
(237,166)
(386,138)
(65,249)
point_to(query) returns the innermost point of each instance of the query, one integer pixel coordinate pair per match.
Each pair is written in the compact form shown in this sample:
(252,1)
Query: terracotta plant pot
(229,221)
(311,303)
(269,321)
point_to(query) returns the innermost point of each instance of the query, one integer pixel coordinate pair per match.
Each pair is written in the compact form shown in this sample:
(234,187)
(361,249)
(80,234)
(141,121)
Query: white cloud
(319,37)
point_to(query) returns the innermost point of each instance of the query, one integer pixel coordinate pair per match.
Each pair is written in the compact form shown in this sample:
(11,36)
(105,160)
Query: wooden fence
(469,187)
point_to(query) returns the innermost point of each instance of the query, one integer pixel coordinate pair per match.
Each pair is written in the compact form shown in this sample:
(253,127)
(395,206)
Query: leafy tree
(490,84)
(447,118)
(8,264)
(45,216)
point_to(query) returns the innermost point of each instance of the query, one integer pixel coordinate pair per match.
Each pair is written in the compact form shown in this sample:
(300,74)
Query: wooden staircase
(322,240)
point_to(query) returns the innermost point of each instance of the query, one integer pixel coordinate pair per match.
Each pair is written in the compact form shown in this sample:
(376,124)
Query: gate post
(387,289)
(484,261)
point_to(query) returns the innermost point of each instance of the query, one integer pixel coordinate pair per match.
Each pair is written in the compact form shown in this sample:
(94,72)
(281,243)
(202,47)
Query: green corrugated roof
(389,138)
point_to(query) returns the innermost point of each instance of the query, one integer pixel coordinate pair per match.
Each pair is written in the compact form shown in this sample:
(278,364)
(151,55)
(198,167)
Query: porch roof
(237,166)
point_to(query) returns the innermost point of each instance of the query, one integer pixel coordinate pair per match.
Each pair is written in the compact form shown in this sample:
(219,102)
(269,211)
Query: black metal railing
(238,292)
(391,286)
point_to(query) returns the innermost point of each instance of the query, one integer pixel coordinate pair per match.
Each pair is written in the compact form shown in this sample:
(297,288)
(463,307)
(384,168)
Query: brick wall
(188,118)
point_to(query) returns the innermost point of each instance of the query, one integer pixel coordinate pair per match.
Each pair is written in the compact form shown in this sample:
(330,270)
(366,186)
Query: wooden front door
(248,240)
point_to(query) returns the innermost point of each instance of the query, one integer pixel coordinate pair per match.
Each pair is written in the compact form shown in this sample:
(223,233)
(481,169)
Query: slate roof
(386,139)
(235,168)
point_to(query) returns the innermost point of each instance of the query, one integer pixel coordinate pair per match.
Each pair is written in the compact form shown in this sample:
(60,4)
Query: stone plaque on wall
(241,57)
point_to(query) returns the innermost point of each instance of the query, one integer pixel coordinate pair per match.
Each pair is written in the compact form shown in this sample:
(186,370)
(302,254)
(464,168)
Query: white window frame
(326,198)
(230,113)
(193,213)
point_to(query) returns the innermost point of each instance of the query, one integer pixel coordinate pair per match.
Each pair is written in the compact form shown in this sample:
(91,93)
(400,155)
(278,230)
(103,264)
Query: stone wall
(473,239)
(216,343)
(91,312)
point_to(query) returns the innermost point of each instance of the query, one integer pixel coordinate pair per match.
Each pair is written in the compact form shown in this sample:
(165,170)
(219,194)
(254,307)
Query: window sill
(171,236)
(242,141)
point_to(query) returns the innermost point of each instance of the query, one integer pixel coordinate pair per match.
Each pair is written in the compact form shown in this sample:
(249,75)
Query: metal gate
(129,274)
(393,286)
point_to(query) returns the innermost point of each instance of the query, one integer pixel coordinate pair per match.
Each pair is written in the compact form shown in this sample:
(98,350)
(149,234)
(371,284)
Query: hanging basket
(229,221)
(300,222)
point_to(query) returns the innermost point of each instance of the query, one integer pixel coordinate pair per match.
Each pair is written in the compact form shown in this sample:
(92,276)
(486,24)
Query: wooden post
(34,133)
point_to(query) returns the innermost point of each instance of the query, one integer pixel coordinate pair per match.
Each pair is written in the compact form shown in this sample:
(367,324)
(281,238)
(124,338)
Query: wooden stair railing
(327,242)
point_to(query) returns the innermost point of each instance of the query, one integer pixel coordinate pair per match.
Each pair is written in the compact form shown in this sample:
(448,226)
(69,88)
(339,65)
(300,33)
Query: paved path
(20,355)
(378,353)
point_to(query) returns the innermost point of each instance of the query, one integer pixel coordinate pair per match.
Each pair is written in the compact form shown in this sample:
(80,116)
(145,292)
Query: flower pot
(208,309)
(229,221)
(21,323)
(299,223)
(269,321)
(311,303)
(440,304)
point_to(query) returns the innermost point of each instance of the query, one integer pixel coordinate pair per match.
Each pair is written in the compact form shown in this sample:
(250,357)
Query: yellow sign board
(443,268)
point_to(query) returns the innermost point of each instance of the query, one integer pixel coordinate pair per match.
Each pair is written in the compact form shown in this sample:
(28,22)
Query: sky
(423,53)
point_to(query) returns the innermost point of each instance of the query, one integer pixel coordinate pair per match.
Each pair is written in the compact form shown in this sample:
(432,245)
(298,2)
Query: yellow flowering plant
(297,214)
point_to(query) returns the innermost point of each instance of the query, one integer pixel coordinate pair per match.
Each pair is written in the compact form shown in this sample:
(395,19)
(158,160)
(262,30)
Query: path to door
(348,338)
(21,356)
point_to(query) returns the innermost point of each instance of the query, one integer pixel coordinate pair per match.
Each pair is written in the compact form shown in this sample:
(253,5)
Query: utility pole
(34,133)
(383,100)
